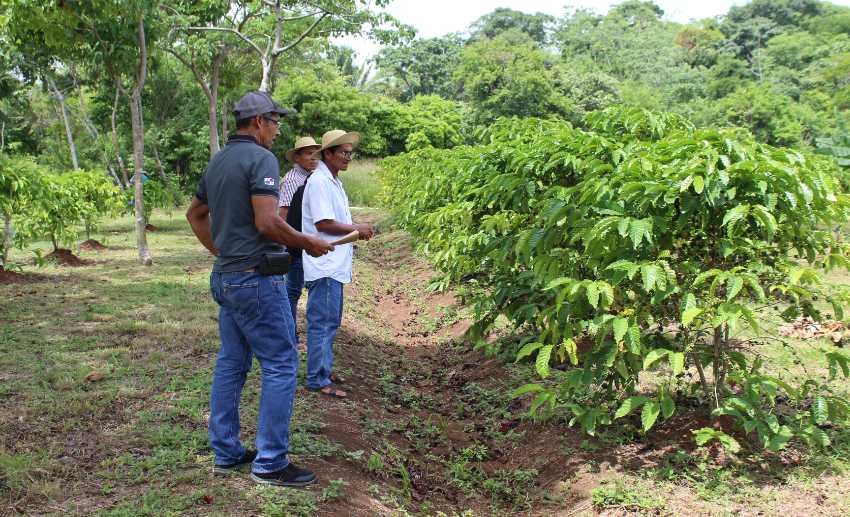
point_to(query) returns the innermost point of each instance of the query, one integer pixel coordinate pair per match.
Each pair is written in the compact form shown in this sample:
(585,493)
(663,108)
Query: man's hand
(315,246)
(366,231)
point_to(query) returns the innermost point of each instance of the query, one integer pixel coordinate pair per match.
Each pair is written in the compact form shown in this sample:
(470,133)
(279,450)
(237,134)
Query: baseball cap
(258,103)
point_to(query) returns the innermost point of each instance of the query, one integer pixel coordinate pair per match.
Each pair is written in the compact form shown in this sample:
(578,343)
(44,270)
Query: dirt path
(436,413)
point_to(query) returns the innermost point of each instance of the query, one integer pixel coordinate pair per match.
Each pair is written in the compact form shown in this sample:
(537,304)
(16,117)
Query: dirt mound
(10,277)
(64,257)
(92,245)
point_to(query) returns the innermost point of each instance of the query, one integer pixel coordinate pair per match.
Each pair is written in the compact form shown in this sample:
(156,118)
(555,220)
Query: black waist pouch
(274,264)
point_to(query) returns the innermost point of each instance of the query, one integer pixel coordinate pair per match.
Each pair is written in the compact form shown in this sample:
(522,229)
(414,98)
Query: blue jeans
(253,320)
(294,286)
(324,315)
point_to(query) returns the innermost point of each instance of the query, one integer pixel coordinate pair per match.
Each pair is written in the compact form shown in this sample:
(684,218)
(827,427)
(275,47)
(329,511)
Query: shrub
(640,246)
(66,200)
(20,184)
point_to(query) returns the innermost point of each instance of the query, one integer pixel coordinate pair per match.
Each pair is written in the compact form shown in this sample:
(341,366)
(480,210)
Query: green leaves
(633,339)
(707,434)
(59,203)
(629,405)
(640,229)
(734,284)
(621,326)
(653,356)
(676,359)
(677,362)
(651,408)
(689,315)
(699,184)
(542,362)
(527,350)
(819,410)
(649,415)
(836,360)
(643,245)
(592,292)
(649,274)
(735,216)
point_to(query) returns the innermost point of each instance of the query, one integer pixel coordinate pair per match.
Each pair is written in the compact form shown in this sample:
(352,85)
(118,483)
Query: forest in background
(780,68)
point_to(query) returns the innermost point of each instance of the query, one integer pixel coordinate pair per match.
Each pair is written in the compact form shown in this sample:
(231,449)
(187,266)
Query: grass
(361,182)
(131,440)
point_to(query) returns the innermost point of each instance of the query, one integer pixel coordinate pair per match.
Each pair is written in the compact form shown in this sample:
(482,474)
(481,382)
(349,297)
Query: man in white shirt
(305,157)
(325,213)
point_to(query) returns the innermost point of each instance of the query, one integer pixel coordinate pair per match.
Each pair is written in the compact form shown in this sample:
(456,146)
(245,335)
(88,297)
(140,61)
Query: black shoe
(225,470)
(290,476)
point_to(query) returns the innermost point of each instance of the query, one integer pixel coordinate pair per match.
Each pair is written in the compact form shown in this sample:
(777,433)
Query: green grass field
(361,183)
(105,373)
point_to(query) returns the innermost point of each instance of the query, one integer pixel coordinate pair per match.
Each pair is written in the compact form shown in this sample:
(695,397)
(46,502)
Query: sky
(433,18)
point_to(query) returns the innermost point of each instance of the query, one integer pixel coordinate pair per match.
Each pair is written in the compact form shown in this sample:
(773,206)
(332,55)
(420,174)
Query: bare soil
(92,245)
(65,257)
(12,277)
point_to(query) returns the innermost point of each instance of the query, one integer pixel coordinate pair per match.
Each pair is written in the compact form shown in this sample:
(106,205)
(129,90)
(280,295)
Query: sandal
(337,379)
(330,391)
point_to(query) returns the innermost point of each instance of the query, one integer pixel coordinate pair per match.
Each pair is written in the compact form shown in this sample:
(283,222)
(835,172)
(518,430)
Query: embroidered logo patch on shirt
(269,181)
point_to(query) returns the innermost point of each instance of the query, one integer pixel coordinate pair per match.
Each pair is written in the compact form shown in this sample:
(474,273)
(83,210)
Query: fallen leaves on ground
(805,327)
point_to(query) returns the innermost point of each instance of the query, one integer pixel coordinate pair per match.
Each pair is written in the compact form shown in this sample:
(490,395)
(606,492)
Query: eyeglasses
(275,121)
(348,155)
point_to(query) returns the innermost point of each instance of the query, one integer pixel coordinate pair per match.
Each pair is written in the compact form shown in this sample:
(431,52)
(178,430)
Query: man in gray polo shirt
(234,215)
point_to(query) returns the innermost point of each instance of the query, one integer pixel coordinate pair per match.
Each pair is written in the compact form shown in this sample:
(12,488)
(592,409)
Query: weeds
(625,497)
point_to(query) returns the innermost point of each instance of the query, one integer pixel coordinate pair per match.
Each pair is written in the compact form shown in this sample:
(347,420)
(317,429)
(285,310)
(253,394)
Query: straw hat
(302,143)
(337,137)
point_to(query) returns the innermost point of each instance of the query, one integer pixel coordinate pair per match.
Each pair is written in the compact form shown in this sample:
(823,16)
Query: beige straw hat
(301,143)
(337,137)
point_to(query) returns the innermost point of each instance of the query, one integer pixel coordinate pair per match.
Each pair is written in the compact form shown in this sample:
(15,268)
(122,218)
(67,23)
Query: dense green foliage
(38,204)
(639,243)
(776,67)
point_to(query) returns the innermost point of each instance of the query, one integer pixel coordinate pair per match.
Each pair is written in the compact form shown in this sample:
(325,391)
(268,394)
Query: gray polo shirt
(241,170)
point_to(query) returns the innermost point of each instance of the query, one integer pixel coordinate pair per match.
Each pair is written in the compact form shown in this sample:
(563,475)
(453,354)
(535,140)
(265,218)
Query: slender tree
(110,35)
(280,26)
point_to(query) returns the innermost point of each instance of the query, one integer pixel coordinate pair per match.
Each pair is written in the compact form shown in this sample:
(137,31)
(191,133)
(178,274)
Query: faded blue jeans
(294,286)
(324,315)
(254,320)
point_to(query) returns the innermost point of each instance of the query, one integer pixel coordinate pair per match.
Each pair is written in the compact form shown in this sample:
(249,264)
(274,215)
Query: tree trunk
(225,116)
(8,235)
(160,168)
(66,119)
(212,97)
(115,177)
(265,85)
(139,147)
(115,147)
(210,90)
(212,109)
(2,136)
(718,353)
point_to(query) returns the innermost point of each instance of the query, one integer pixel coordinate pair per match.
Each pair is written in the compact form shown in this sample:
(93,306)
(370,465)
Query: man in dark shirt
(234,215)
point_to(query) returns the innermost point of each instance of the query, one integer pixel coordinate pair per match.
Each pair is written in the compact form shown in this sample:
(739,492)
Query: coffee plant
(63,202)
(645,254)
(20,184)
(100,196)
